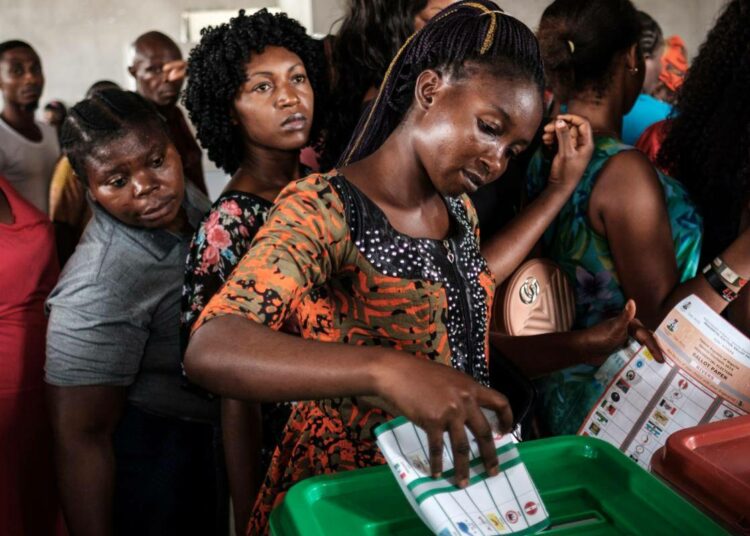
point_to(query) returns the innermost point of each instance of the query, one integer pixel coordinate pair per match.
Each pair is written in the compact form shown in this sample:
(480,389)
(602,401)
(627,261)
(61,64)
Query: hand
(610,335)
(575,145)
(438,398)
(174,70)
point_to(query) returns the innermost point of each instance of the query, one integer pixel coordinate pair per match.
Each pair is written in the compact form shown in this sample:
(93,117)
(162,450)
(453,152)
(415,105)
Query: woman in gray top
(135,451)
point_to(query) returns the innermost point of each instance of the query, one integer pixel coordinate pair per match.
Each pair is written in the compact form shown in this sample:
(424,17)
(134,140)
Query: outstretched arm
(277,366)
(538,355)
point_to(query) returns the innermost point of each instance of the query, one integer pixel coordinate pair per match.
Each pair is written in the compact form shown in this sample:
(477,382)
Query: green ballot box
(588,487)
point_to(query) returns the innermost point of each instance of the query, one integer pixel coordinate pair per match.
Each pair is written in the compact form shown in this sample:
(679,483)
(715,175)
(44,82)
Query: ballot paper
(507,503)
(705,378)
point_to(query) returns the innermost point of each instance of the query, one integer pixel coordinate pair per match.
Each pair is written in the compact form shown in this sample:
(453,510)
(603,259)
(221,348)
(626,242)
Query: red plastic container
(710,465)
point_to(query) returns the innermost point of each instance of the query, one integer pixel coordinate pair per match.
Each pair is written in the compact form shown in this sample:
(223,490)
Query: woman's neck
(265,172)
(604,113)
(401,180)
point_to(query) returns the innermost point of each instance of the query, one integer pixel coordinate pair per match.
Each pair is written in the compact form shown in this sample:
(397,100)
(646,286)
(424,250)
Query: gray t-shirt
(114,316)
(28,165)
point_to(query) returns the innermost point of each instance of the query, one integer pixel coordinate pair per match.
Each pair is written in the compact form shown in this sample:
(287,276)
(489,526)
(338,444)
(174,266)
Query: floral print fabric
(222,239)
(586,259)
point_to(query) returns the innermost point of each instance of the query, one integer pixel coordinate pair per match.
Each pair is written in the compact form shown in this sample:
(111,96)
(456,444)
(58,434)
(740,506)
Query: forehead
(519,98)
(20,55)
(272,58)
(131,146)
(156,51)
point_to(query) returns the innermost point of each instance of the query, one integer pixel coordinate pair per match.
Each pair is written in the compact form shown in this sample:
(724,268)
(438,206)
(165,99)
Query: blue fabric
(645,112)
(586,258)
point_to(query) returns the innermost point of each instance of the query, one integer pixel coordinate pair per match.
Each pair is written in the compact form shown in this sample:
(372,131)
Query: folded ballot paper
(508,503)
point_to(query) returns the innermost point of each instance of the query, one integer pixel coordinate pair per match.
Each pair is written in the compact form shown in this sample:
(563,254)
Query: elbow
(198,365)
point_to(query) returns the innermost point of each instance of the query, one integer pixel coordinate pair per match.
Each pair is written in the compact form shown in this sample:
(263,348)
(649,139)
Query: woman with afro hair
(251,96)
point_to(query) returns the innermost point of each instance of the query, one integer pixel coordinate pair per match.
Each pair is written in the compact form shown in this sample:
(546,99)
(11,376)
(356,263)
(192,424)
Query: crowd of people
(165,354)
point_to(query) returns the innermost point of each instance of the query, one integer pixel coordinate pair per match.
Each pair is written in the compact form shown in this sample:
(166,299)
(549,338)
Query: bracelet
(730,278)
(718,284)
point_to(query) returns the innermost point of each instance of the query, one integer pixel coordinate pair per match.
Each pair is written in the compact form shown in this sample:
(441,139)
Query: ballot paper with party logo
(507,503)
(705,378)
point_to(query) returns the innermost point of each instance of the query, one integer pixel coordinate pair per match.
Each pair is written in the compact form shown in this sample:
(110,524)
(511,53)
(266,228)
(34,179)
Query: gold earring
(633,70)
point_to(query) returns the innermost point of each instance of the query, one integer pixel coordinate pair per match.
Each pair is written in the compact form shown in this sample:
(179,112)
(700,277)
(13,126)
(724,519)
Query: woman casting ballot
(379,263)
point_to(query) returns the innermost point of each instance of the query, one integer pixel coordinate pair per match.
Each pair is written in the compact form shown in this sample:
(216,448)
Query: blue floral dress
(585,257)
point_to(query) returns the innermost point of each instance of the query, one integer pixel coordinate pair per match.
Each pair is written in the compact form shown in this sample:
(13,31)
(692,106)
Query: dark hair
(5,46)
(370,35)
(651,35)
(216,71)
(581,38)
(470,32)
(108,115)
(99,85)
(708,144)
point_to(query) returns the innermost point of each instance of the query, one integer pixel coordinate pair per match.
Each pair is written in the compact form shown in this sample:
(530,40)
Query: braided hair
(581,38)
(108,115)
(708,144)
(216,71)
(474,32)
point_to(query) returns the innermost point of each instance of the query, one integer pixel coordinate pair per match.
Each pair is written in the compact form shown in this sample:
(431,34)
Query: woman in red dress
(28,271)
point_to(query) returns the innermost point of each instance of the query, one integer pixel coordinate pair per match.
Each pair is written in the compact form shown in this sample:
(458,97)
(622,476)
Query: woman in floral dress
(253,112)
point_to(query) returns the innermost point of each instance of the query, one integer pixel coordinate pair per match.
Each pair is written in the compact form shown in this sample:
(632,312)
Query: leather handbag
(536,299)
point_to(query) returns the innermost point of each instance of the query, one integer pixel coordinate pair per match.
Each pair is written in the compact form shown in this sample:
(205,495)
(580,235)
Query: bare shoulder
(627,178)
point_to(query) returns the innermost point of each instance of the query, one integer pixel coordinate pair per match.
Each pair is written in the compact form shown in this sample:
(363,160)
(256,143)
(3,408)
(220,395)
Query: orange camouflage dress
(328,260)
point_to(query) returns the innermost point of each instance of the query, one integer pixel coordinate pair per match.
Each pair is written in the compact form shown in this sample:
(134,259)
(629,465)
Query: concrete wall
(81,41)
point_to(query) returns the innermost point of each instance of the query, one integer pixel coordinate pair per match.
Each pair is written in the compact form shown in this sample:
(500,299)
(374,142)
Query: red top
(652,139)
(28,272)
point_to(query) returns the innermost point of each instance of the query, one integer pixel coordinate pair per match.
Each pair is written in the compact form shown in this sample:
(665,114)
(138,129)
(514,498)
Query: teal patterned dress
(585,257)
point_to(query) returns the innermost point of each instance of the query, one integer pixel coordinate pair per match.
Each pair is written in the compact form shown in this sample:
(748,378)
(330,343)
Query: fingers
(175,70)
(628,313)
(574,120)
(562,133)
(580,126)
(548,134)
(435,445)
(498,403)
(461,451)
(585,135)
(485,440)
(644,336)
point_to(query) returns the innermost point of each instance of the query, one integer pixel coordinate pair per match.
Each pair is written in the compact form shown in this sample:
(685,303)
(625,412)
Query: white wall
(81,41)
(689,18)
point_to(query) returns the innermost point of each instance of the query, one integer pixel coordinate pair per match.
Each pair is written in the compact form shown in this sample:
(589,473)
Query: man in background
(159,72)
(28,148)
